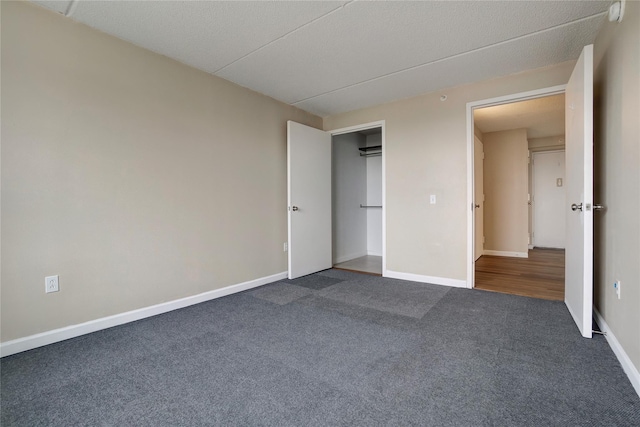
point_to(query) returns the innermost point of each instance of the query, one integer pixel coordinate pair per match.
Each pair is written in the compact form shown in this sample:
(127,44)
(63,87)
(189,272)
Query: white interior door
(578,294)
(549,201)
(478,188)
(309,199)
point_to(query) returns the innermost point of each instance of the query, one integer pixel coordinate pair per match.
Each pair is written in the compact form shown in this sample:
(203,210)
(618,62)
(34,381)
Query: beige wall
(426,153)
(547,144)
(477,132)
(617,168)
(506,183)
(135,178)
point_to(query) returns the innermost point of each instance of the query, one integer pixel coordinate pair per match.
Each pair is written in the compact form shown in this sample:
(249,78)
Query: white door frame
(365,126)
(507,99)
(533,189)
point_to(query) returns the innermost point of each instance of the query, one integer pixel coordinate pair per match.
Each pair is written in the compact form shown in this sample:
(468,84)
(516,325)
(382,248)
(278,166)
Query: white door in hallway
(579,192)
(309,199)
(549,201)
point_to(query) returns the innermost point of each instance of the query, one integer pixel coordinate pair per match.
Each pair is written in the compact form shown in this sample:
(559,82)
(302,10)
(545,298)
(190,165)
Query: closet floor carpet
(366,264)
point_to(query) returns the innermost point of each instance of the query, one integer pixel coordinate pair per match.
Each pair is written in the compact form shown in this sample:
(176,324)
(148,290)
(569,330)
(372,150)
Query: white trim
(371,125)
(61,334)
(373,253)
(356,128)
(618,350)
(349,257)
(531,246)
(506,253)
(444,281)
(522,96)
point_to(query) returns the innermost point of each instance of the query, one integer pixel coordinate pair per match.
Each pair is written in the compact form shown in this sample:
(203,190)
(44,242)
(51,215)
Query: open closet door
(309,199)
(578,294)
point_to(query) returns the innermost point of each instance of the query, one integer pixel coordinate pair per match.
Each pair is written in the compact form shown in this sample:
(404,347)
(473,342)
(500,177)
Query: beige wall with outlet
(506,187)
(426,153)
(135,178)
(617,164)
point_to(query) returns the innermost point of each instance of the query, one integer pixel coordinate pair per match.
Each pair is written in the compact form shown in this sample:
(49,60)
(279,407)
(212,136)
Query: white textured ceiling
(542,117)
(328,57)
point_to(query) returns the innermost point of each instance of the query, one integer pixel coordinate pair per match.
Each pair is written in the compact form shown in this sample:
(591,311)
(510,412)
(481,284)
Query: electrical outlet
(616,286)
(51,284)
(285,247)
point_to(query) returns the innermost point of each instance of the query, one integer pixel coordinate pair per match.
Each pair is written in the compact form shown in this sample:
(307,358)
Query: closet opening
(357,208)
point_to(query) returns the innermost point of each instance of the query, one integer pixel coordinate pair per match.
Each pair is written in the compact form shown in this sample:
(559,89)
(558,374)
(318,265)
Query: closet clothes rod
(370,206)
(370,154)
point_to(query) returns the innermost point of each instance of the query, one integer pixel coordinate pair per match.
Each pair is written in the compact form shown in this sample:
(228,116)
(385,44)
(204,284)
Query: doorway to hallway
(520,197)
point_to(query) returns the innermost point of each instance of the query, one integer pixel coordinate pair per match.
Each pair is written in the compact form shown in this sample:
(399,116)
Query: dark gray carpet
(334,348)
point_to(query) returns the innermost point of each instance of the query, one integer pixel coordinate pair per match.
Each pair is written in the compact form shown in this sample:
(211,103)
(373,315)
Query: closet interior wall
(357,183)
(349,173)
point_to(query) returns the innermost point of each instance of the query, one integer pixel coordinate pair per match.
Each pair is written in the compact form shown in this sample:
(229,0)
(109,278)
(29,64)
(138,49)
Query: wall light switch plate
(51,284)
(432,199)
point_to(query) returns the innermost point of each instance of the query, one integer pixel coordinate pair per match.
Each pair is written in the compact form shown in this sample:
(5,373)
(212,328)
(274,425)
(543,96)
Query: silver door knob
(575,207)
(598,207)
(294,208)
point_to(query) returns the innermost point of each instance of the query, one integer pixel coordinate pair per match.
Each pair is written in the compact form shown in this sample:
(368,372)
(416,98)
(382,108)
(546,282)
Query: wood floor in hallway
(539,276)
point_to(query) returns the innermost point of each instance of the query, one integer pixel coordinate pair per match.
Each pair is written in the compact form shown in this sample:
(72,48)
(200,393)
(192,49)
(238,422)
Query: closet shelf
(370,206)
(373,148)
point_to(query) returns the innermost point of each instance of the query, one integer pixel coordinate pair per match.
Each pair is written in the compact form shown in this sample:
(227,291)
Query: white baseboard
(56,335)
(506,253)
(349,257)
(531,246)
(623,358)
(374,253)
(445,281)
